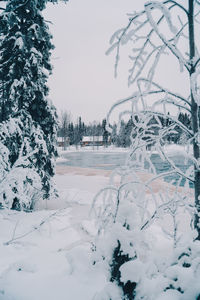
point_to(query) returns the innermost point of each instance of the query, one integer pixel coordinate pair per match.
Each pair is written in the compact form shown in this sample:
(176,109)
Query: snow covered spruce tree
(28,120)
(139,205)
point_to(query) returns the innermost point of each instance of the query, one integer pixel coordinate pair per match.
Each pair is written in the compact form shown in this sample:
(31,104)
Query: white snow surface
(47,254)
(52,260)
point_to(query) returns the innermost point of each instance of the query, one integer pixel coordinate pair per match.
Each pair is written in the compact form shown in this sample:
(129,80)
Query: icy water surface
(95,160)
(112,160)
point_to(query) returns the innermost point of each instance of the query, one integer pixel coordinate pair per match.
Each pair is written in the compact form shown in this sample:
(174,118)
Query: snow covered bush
(176,277)
(121,243)
(146,241)
(21,144)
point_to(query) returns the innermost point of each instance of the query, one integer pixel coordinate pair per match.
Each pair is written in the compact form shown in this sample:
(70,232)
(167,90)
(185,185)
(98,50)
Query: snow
(92,139)
(132,271)
(55,257)
(61,159)
(47,254)
(19,42)
(170,294)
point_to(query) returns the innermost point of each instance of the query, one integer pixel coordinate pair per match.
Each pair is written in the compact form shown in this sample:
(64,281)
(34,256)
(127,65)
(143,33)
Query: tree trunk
(65,143)
(195,119)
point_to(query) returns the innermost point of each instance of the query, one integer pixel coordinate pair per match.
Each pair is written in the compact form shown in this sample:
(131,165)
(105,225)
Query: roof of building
(61,139)
(92,139)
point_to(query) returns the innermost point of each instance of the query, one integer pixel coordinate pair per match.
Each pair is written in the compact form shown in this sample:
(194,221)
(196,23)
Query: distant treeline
(120,133)
(75,131)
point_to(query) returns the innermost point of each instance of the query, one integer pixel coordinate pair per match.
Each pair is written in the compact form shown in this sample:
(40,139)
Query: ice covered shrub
(138,210)
(133,224)
(170,212)
(157,38)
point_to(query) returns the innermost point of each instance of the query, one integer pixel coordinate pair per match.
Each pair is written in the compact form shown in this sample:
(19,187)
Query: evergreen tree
(71,133)
(114,134)
(128,129)
(64,123)
(76,135)
(25,48)
(80,129)
(105,132)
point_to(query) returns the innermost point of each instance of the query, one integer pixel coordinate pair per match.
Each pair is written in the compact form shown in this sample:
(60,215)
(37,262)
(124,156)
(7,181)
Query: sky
(83,80)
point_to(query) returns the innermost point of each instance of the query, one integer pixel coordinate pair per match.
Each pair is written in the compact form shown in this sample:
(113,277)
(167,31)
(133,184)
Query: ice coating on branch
(165,11)
(174,49)
(116,35)
(195,87)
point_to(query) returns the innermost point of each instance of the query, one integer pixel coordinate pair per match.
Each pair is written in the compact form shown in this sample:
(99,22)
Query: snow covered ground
(46,254)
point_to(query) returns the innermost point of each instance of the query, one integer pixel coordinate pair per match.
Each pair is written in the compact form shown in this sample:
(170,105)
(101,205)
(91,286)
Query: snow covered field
(46,254)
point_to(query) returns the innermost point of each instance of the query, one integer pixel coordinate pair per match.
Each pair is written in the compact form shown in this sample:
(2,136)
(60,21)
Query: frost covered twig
(35,228)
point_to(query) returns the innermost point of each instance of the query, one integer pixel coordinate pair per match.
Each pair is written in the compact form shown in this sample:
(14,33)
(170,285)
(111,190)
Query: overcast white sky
(83,77)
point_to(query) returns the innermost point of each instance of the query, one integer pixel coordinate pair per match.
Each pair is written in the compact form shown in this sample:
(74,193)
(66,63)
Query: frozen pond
(95,160)
(112,160)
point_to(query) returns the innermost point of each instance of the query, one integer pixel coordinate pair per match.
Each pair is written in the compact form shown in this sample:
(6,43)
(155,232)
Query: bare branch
(177,4)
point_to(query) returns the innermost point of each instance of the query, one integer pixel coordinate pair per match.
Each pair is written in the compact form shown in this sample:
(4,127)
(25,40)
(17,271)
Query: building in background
(63,142)
(94,141)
